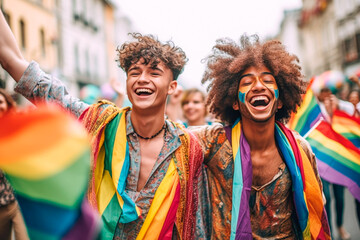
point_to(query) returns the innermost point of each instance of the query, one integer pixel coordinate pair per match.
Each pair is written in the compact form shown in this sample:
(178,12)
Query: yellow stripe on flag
(160,205)
(107,191)
(119,151)
(331,144)
(62,154)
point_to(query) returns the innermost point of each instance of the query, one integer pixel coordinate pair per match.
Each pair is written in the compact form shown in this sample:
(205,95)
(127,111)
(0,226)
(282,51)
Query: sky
(195,25)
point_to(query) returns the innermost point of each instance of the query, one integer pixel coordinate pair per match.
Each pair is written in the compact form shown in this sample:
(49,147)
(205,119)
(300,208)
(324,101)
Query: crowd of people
(182,164)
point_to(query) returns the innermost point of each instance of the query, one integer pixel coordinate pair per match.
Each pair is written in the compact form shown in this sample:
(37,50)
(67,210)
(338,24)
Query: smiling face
(258,94)
(147,87)
(194,108)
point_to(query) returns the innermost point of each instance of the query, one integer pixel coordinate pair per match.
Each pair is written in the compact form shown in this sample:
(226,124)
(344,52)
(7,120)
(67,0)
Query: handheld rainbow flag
(337,158)
(45,154)
(348,126)
(307,114)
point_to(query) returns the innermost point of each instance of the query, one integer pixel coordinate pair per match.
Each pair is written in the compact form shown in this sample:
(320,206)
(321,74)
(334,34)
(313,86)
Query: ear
(172,87)
(235,105)
(280,104)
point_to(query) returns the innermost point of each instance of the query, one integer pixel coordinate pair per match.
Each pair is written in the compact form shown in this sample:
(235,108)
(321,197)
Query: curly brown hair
(151,51)
(229,60)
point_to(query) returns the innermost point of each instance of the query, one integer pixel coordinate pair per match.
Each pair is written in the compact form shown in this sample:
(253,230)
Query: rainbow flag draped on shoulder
(307,114)
(308,201)
(338,159)
(348,126)
(45,154)
(175,200)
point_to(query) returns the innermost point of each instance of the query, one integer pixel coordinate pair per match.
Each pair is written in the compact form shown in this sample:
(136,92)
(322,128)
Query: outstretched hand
(11,58)
(116,85)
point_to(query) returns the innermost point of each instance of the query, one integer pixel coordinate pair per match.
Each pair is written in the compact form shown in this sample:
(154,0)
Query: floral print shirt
(220,167)
(6,191)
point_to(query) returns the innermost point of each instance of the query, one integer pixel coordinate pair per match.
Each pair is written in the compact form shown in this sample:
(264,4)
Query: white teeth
(259,98)
(143,90)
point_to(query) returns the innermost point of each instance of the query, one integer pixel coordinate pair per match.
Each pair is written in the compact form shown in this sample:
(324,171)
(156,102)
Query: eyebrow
(156,68)
(252,75)
(133,68)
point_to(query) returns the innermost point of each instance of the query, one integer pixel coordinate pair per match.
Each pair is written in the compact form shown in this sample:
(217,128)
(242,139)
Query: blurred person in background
(354,99)
(194,108)
(145,167)
(10,214)
(328,103)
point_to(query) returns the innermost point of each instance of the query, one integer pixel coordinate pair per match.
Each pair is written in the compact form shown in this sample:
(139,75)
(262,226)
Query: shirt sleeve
(37,87)
(212,140)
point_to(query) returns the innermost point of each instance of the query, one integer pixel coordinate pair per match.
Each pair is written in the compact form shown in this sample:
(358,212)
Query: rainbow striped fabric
(307,114)
(307,193)
(338,159)
(175,200)
(112,168)
(45,154)
(348,126)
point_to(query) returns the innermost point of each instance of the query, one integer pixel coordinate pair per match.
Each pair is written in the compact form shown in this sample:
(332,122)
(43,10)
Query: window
(22,34)
(350,50)
(42,42)
(87,63)
(76,53)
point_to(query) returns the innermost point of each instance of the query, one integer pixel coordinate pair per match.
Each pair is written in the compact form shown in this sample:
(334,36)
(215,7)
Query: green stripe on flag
(341,159)
(110,218)
(60,188)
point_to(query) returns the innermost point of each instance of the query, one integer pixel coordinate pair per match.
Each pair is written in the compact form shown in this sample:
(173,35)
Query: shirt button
(221,204)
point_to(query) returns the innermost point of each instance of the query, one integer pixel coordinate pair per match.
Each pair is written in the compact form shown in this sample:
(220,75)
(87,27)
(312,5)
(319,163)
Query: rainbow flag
(308,202)
(45,154)
(347,126)
(307,114)
(337,158)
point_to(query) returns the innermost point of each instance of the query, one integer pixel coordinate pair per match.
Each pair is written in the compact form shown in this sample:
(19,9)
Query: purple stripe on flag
(87,226)
(331,175)
(243,228)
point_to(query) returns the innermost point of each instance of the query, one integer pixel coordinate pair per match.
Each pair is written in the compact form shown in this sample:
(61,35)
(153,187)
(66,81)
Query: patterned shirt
(6,191)
(220,167)
(38,86)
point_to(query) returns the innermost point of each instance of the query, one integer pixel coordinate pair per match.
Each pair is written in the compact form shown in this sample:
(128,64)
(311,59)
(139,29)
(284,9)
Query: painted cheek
(276,93)
(243,90)
(242,97)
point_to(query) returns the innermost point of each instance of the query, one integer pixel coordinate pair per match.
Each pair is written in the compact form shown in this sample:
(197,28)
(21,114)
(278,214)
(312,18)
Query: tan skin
(147,116)
(258,125)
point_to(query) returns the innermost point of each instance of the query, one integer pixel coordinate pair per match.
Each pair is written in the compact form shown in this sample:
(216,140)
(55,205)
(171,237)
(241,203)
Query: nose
(258,85)
(143,78)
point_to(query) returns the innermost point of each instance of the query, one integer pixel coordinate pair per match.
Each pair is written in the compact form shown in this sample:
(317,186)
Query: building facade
(34,25)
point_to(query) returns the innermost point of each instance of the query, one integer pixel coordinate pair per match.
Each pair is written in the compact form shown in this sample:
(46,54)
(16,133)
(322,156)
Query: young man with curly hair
(263,179)
(144,173)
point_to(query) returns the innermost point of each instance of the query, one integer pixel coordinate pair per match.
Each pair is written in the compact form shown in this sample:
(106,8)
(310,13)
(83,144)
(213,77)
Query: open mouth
(261,101)
(143,92)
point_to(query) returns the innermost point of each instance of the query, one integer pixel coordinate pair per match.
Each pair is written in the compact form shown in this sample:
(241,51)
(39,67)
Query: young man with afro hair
(144,173)
(263,179)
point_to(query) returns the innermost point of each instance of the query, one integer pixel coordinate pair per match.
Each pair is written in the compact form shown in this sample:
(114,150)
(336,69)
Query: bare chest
(265,167)
(149,153)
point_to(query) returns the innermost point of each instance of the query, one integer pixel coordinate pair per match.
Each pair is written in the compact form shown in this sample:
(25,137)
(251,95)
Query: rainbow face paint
(248,81)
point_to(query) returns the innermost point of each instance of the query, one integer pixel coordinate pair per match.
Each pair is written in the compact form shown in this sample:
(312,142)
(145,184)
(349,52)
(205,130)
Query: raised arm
(11,58)
(32,82)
